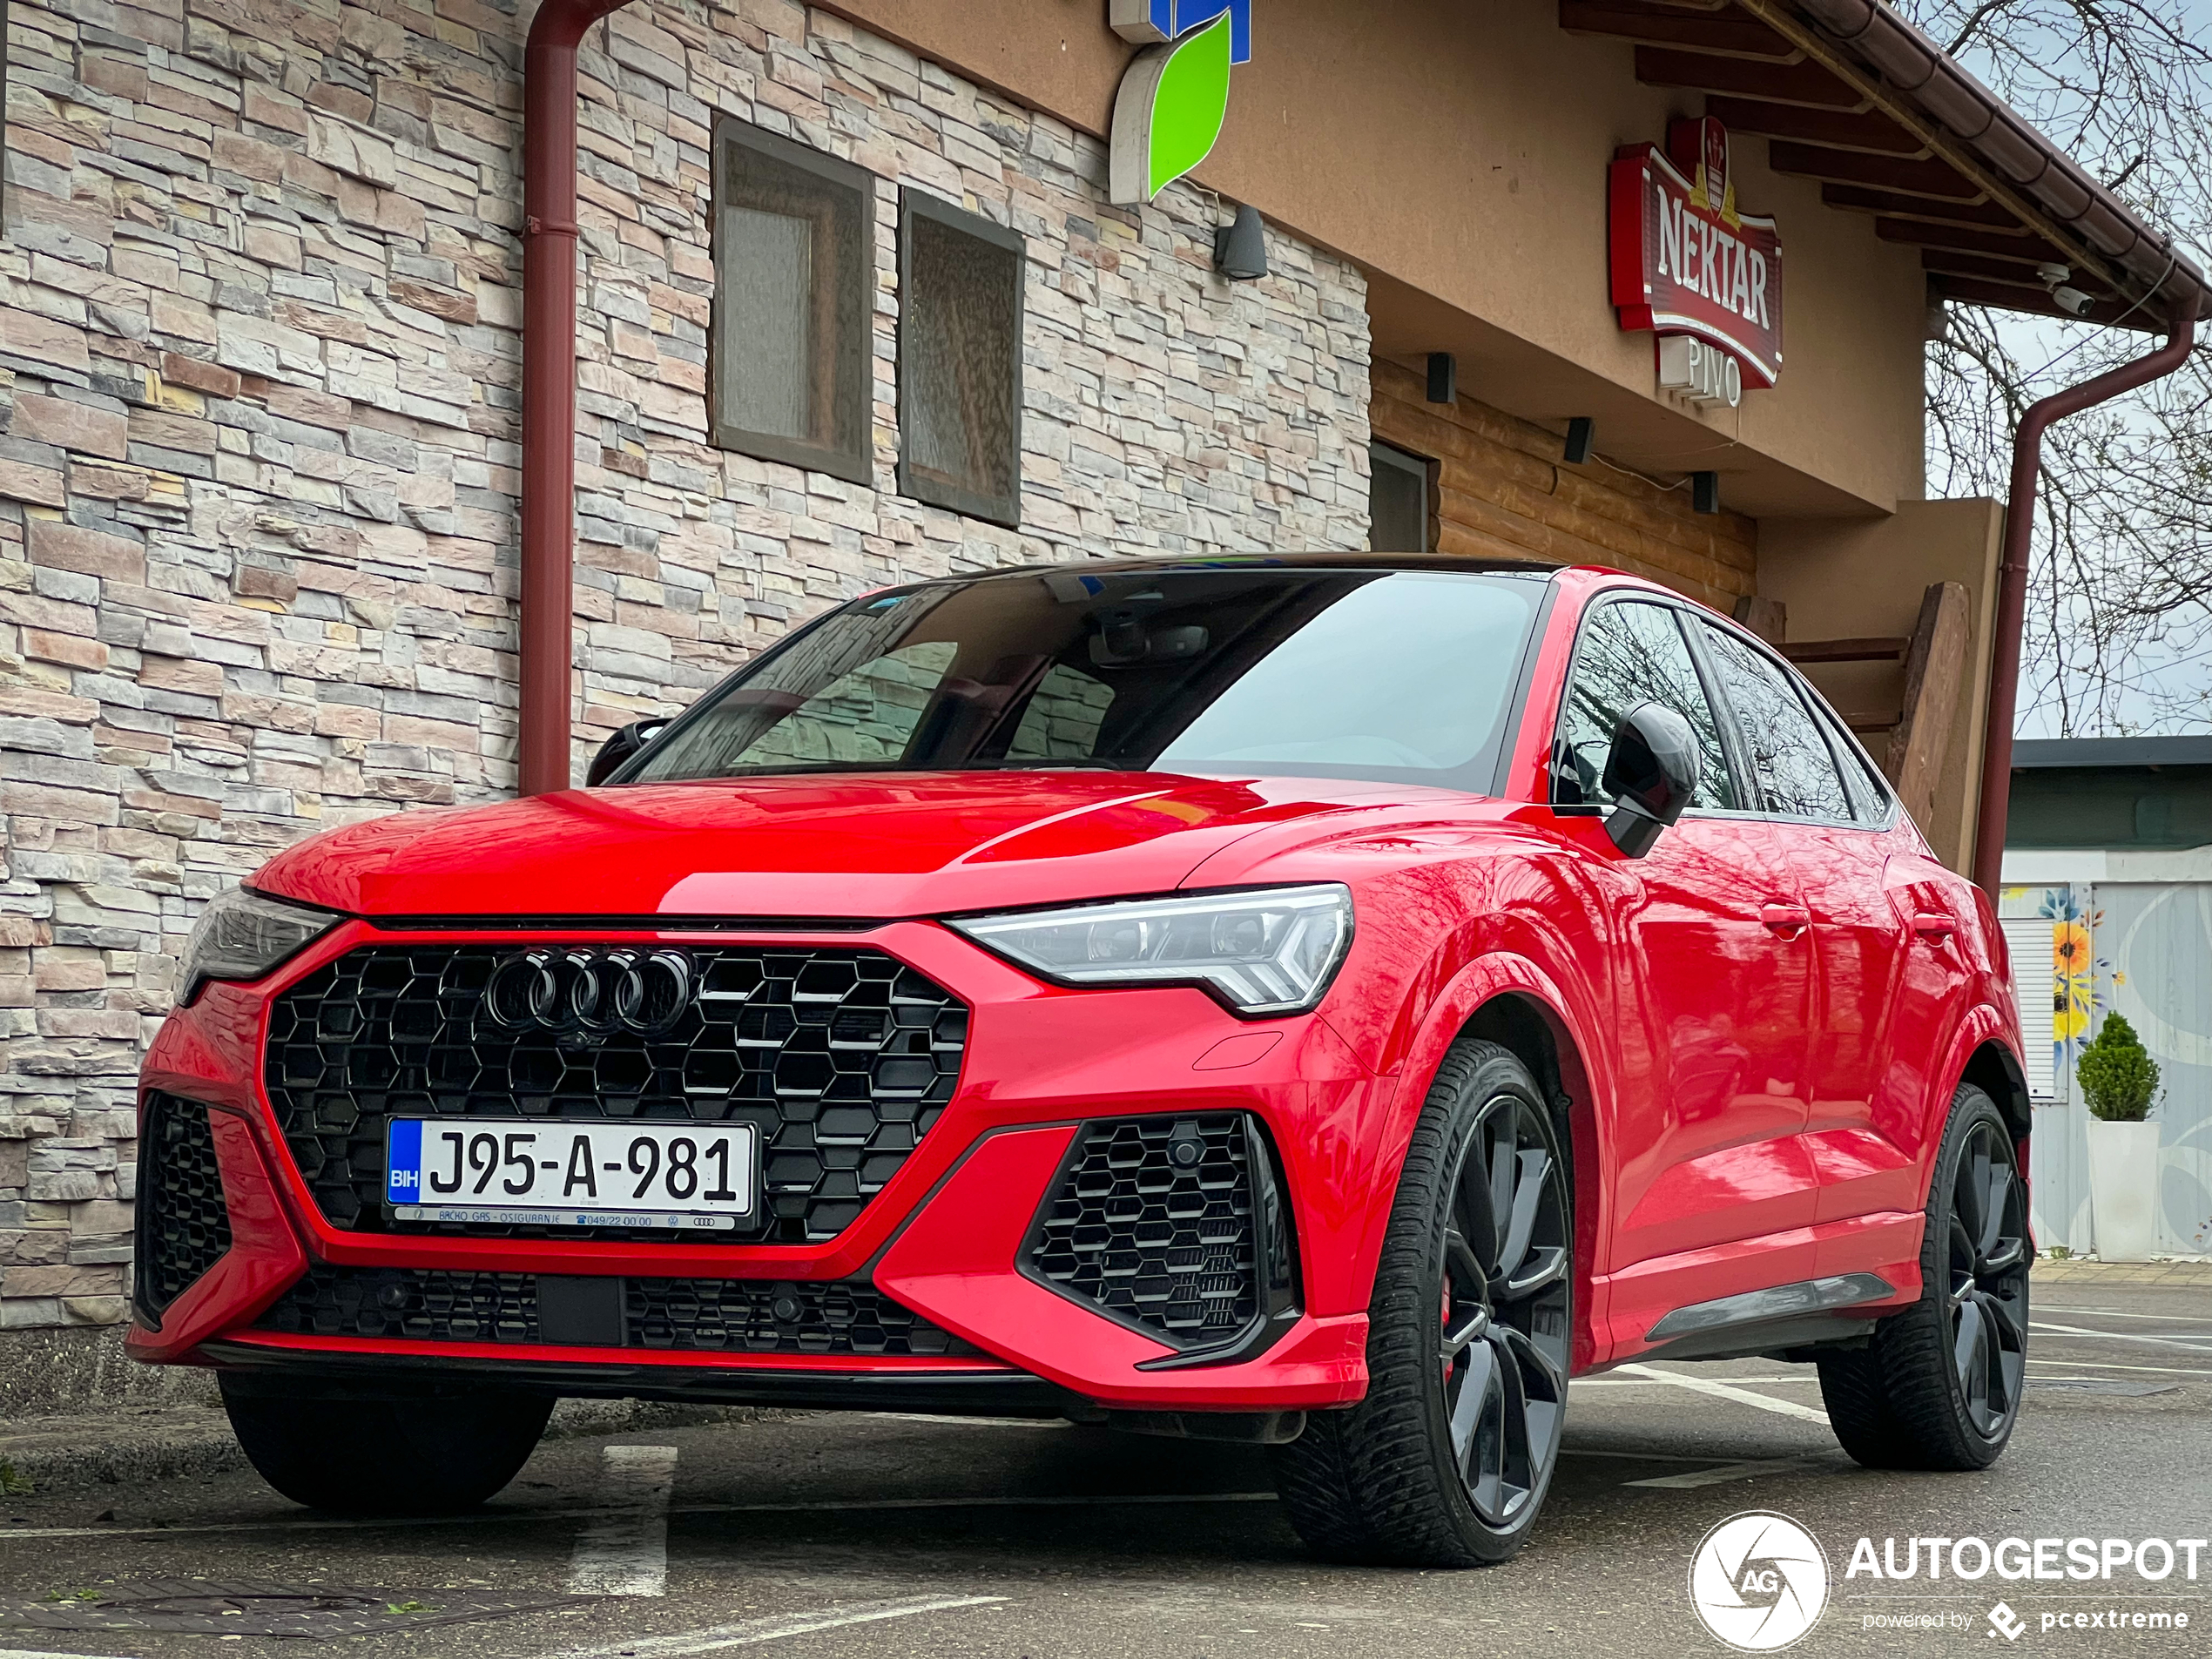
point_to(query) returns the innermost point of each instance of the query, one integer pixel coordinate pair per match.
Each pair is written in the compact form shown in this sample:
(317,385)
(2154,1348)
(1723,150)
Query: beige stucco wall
(1460,156)
(1846,580)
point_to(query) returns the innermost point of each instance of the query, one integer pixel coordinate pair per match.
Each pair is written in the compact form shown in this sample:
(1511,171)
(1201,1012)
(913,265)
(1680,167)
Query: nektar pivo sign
(1688,266)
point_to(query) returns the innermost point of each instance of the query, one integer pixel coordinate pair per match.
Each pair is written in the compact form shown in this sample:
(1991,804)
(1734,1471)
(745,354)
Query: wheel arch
(1996,1070)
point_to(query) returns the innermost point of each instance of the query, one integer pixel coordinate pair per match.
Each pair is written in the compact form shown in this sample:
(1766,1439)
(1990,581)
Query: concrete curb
(135,1445)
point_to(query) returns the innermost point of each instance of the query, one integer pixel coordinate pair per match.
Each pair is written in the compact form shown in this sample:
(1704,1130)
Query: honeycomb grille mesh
(184,1226)
(719,1316)
(1152,1221)
(844,1059)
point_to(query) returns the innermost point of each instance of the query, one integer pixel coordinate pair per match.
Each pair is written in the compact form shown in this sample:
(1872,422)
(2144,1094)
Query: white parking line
(2188,1342)
(624,1552)
(30,1653)
(1722,1472)
(2114,1314)
(773,1628)
(1724,1391)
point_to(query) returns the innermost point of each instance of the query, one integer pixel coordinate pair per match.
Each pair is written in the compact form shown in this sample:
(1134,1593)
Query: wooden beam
(2022,245)
(1805,84)
(1951,262)
(1937,180)
(1859,198)
(1935,672)
(1978,291)
(1838,129)
(1730,34)
(1767,618)
(1847,650)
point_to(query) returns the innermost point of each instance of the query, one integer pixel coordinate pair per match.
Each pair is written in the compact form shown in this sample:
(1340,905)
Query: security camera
(2072,301)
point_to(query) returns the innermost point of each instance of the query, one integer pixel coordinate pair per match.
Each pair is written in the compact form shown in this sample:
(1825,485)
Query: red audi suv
(1323,1001)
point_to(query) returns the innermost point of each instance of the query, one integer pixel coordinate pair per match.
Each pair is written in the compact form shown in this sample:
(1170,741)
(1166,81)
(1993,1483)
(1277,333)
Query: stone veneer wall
(259,388)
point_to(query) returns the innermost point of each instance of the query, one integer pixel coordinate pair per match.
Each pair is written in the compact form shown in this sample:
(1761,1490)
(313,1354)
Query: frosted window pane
(771,272)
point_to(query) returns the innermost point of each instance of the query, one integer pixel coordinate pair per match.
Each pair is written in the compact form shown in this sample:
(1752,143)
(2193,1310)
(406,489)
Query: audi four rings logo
(591,992)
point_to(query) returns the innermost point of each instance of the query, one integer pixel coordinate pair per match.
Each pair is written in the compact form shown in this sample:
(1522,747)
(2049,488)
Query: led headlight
(243,935)
(1268,952)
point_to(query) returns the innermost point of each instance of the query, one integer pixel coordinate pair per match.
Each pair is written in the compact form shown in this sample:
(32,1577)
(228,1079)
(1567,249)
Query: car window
(1258,669)
(1870,791)
(867,714)
(1631,653)
(1790,759)
(1065,714)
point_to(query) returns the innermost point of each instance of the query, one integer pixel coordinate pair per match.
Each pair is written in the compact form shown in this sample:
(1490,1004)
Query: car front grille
(843,1058)
(705,1315)
(182,1224)
(1152,1221)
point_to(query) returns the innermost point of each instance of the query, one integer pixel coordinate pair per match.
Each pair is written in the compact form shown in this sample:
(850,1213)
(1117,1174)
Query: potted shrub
(2119,1080)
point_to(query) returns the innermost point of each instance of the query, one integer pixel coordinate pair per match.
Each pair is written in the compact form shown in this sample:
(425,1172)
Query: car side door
(1712,973)
(1832,818)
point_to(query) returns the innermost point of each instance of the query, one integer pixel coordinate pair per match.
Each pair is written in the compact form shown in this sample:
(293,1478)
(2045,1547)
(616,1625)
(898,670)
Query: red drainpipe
(548,642)
(2012,576)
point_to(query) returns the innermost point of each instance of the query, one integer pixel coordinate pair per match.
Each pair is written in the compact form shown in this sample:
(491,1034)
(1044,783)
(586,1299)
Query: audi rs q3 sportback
(1323,1001)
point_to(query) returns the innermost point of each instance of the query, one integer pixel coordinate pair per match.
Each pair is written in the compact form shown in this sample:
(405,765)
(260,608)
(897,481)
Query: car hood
(878,845)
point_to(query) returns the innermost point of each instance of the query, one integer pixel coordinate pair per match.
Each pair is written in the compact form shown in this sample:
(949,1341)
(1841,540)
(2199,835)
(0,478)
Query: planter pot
(2123,1188)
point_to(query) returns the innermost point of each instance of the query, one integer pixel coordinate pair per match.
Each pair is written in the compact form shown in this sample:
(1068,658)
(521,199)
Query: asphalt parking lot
(863,1535)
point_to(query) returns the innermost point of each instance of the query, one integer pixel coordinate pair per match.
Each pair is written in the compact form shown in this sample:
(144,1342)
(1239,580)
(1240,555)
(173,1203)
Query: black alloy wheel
(1988,1246)
(1507,1258)
(1938,1385)
(1447,1461)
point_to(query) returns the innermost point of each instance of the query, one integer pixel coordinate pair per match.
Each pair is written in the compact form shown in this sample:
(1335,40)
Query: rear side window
(1631,653)
(1870,791)
(1790,761)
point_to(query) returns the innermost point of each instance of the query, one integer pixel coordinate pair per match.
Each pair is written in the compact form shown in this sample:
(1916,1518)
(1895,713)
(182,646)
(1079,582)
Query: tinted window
(1629,654)
(1870,791)
(1795,771)
(1399,676)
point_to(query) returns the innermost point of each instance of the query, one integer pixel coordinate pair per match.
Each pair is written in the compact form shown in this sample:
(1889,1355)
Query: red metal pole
(546,631)
(2012,577)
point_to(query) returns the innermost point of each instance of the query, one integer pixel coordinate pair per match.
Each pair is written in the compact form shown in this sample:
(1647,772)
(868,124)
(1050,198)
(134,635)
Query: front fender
(1586,1076)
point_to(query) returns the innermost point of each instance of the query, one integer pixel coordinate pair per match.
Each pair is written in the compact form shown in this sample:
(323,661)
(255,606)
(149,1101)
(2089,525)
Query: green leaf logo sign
(1169,111)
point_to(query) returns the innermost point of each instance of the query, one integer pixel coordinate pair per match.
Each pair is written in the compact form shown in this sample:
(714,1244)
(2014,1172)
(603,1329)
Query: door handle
(1934,927)
(1786,920)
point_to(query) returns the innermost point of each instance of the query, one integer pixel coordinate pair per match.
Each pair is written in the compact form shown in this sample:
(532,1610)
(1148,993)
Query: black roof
(2112,751)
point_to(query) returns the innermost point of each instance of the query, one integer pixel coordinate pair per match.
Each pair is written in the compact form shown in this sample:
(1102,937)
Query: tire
(1938,1384)
(428,1455)
(1447,1461)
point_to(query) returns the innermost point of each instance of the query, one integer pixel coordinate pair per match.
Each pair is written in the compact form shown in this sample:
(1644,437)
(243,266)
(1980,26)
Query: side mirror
(1652,773)
(618,748)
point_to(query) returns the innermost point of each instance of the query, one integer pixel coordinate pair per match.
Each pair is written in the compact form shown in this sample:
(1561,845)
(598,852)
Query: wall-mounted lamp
(1443,377)
(1240,249)
(1705,491)
(1581,433)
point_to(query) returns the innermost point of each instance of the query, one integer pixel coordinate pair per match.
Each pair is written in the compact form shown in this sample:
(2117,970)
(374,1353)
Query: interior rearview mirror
(1651,774)
(618,748)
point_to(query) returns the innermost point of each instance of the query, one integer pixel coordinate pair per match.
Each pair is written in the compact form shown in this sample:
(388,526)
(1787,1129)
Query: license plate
(686,1177)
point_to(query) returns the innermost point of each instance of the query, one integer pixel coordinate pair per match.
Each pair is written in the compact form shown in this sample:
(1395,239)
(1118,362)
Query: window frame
(1685,615)
(852,456)
(920,205)
(1381,452)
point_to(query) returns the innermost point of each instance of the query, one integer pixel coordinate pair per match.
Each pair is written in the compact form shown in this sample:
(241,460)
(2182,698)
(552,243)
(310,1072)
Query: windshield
(1401,676)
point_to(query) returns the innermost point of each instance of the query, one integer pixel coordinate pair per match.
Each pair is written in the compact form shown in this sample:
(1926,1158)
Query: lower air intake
(1174,1226)
(184,1226)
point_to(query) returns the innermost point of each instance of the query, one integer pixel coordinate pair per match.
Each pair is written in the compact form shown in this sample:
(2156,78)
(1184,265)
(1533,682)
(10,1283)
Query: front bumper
(948,1238)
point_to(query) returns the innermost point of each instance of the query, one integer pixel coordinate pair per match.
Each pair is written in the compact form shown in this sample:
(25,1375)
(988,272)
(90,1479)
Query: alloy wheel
(1988,1265)
(1508,1256)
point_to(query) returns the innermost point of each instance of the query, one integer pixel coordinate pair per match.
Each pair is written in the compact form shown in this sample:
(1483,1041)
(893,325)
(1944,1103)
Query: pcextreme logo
(1759,1582)
(1174,97)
